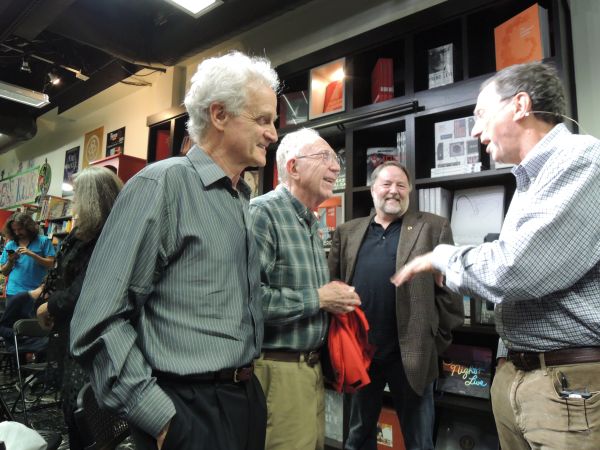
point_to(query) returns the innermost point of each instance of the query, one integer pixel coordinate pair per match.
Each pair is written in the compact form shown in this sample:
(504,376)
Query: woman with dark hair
(96,189)
(27,255)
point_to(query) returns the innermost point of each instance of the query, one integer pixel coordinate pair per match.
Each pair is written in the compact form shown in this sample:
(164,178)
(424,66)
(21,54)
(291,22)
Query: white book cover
(477,212)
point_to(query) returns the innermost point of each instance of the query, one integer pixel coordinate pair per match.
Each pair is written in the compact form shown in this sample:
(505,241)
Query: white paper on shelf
(475,213)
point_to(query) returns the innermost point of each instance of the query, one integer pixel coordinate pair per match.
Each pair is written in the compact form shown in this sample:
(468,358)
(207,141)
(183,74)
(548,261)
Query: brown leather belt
(311,358)
(531,360)
(222,376)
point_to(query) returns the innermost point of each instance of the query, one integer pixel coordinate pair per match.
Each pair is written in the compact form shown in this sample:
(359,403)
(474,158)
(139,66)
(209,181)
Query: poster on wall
(92,146)
(71,168)
(21,188)
(115,142)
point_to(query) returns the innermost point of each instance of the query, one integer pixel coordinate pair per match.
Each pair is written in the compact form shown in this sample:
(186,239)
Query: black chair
(23,329)
(100,429)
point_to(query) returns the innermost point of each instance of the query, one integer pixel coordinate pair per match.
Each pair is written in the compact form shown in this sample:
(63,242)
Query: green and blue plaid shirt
(293,267)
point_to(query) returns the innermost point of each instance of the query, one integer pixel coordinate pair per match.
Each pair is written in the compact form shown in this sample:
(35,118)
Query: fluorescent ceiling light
(196,7)
(23,95)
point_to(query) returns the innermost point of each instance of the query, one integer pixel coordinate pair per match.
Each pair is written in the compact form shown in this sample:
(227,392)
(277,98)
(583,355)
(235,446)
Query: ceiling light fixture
(196,8)
(23,95)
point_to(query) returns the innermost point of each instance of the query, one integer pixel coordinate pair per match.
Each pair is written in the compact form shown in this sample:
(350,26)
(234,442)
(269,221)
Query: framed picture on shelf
(327,89)
(331,215)
(293,108)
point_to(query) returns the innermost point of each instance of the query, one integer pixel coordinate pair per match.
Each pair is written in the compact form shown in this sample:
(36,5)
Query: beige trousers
(295,404)
(531,414)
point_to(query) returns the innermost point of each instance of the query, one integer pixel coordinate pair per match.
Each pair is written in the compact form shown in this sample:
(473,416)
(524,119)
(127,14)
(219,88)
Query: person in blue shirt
(27,255)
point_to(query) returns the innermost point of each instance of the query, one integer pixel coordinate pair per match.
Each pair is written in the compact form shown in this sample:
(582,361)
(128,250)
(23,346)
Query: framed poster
(71,168)
(92,146)
(115,142)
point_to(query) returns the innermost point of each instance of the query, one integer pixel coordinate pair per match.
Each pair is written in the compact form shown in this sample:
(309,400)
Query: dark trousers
(212,416)
(415,413)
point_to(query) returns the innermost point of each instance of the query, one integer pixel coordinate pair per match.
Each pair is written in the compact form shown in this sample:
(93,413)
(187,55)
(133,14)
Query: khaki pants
(295,404)
(530,413)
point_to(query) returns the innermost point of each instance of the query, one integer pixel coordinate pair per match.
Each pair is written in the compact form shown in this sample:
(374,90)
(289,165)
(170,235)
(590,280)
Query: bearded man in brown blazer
(410,325)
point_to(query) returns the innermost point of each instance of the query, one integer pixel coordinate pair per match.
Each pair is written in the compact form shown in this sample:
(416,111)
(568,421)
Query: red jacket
(349,350)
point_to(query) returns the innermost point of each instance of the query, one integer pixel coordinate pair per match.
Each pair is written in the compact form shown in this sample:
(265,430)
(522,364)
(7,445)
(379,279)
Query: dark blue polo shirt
(375,264)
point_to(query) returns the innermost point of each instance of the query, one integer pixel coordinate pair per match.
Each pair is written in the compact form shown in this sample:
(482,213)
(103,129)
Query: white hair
(224,79)
(291,146)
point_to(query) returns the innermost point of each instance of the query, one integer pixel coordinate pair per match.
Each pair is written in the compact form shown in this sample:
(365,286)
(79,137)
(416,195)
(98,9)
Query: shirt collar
(302,212)
(526,172)
(211,173)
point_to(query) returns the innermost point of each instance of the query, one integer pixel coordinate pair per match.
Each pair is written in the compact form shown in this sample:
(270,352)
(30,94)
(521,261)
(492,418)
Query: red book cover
(334,96)
(162,145)
(382,80)
(389,433)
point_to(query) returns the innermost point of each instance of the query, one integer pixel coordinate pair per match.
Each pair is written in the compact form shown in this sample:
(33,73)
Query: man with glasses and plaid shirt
(296,292)
(543,273)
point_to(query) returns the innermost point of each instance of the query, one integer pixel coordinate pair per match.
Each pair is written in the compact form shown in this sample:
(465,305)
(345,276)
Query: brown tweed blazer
(425,313)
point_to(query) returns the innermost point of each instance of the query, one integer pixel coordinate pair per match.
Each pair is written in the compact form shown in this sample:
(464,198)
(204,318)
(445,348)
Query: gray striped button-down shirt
(544,270)
(173,285)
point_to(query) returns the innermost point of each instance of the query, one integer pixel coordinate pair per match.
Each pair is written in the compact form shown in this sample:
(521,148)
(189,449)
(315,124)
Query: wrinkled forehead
(487,98)
(318,146)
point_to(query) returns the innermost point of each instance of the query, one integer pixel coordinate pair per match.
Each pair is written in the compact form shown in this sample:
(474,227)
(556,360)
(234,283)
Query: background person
(27,255)
(365,253)
(95,189)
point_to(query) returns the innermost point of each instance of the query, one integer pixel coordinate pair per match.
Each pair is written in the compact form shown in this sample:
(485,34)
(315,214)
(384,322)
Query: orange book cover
(389,433)
(522,38)
(334,96)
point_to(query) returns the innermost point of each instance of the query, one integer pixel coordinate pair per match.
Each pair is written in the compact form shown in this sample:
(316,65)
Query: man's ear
(218,115)
(522,105)
(291,168)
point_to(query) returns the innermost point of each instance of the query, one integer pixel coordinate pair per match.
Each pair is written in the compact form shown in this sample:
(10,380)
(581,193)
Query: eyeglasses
(483,116)
(327,157)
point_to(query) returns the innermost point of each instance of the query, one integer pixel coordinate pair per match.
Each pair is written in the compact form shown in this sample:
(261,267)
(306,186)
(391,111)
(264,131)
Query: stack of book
(436,201)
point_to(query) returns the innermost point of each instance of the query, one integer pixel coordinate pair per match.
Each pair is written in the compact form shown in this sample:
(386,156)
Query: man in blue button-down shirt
(543,272)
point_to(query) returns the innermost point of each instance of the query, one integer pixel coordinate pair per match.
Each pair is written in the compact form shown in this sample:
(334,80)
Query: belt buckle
(235,376)
(312,358)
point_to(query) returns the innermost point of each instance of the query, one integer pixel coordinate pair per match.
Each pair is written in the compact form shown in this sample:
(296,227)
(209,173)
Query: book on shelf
(523,38)
(455,169)
(252,178)
(440,62)
(389,432)
(382,80)
(330,214)
(401,145)
(436,201)
(186,145)
(466,370)
(476,212)
(467,430)
(334,96)
(163,148)
(453,143)
(377,156)
(293,108)
(334,416)
(340,181)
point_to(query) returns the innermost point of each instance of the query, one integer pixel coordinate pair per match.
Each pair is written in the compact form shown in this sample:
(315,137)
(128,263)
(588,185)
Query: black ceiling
(107,40)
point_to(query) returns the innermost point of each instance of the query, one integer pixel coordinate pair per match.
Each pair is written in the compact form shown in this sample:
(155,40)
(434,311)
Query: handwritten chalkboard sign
(23,187)
(466,370)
